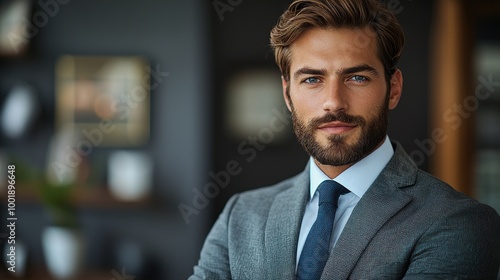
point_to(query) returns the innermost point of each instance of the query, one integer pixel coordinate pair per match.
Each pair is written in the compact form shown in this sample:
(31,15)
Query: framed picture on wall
(254,105)
(104,100)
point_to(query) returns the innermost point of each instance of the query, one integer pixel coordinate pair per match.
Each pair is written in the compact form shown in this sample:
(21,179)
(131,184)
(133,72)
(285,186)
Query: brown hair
(302,15)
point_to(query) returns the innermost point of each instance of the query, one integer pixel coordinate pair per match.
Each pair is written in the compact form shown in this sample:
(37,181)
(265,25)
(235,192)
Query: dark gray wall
(173,35)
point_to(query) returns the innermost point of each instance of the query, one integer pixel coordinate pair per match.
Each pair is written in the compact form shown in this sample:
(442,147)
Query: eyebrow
(340,72)
(357,69)
(309,71)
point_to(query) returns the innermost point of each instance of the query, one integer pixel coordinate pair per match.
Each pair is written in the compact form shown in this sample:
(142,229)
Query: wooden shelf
(98,197)
(42,274)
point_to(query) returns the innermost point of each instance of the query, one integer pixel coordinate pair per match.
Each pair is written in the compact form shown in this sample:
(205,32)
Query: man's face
(338,94)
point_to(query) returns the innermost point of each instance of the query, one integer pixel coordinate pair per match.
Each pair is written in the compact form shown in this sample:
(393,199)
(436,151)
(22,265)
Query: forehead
(335,48)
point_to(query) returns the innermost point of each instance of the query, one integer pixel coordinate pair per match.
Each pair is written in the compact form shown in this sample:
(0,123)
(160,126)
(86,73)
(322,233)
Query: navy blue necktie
(317,246)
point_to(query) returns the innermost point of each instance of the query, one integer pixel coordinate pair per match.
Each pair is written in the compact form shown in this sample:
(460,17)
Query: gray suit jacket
(407,225)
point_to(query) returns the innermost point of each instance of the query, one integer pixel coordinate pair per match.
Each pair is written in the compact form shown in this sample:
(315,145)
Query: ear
(396,89)
(284,86)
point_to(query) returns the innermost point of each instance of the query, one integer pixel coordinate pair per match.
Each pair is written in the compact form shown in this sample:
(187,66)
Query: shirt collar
(359,177)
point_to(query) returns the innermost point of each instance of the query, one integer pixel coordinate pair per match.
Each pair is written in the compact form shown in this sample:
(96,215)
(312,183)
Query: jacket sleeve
(214,260)
(463,244)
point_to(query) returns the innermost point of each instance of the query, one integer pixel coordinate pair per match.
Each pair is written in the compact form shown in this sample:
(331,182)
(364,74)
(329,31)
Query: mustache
(338,117)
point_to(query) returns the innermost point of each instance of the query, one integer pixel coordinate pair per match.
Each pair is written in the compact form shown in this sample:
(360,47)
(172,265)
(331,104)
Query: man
(361,209)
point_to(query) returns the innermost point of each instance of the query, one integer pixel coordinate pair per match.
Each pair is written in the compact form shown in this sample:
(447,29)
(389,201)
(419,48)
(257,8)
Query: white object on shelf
(63,251)
(130,175)
(19,111)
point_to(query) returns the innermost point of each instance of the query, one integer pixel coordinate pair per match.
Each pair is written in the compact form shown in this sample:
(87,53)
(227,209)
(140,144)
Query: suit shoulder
(267,193)
(446,199)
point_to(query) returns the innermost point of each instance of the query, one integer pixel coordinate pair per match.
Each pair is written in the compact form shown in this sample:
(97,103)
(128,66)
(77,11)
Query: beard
(337,151)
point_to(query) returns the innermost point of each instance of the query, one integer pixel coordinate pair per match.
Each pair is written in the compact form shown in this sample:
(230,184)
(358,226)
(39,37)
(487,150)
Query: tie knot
(330,191)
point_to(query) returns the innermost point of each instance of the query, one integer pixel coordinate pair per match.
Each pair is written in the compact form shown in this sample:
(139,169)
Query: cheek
(304,106)
(369,103)
(308,111)
(374,109)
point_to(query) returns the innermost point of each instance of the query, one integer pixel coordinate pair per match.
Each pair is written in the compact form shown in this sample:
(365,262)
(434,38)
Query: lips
(336,127)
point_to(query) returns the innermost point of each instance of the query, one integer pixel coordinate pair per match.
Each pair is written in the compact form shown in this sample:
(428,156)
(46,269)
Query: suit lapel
(382,201)
(282,228)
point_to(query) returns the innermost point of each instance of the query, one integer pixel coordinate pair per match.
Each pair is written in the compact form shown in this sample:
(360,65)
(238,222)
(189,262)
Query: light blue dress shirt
(357,179)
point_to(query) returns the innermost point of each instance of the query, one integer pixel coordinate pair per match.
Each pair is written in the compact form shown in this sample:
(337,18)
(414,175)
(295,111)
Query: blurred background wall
(206,58)
(175,37)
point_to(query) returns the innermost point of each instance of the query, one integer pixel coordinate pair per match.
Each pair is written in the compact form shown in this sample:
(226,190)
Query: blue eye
(358,78)
(311,80)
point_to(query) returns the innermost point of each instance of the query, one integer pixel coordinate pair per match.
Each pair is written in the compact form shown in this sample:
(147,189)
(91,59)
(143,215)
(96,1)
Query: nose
(335,98)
